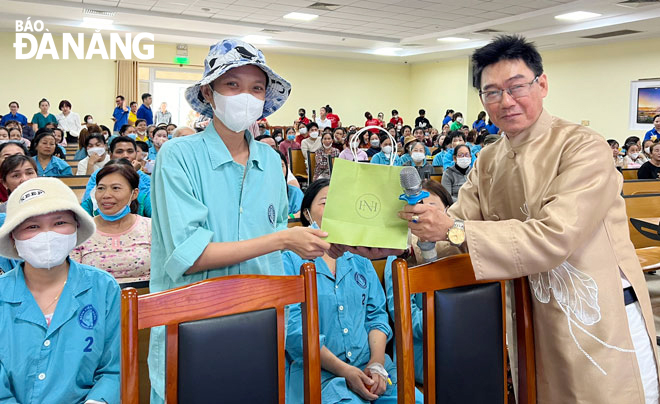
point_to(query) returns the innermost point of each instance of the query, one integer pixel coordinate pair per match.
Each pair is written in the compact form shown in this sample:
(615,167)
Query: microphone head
(410,180)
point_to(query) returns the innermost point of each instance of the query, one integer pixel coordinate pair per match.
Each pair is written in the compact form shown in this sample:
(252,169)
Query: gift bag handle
(366,128)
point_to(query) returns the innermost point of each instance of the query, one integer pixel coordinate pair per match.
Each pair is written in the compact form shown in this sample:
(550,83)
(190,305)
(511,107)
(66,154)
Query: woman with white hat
(219,199)
(59,319)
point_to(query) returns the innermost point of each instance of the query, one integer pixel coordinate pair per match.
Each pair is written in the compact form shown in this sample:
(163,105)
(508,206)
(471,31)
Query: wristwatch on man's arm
(456,233)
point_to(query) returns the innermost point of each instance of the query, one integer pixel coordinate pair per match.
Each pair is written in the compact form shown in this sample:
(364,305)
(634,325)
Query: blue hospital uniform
(380,158)
(144,187)
(74,359)
(201,195)
(153,153)
(416,304)
(295,198)
(6,264)
(351,304)
(55,168)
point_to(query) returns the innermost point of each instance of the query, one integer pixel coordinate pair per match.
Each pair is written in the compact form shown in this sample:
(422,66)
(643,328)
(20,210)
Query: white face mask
(355,145)
(647,150)
(96,150)
(142,133)
(237,112)
(303,131)
(278,139)
(417,156)
(387,150)
(375,143)
(634,156)
(47,249)
(90,121)
(463,162)
(459,119)
(314,134)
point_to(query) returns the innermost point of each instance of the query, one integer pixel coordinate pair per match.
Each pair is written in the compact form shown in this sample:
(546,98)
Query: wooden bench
(641,206)
(297,164)
(79,190)
(75,180)
(629,173)
(637,187)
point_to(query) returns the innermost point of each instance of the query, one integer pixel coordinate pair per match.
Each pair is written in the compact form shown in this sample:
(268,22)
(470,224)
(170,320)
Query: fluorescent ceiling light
(257,39)
(387,51)
(577,16)
(98,23)
(301,16)
(453,39)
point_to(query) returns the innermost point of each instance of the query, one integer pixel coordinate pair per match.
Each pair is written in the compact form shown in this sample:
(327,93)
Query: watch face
(456,236)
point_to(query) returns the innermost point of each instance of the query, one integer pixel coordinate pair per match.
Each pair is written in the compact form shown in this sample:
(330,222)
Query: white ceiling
(354,29)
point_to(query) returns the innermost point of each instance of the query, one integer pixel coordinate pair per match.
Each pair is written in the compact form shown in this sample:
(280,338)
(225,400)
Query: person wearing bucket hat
(60,319)
(219,199)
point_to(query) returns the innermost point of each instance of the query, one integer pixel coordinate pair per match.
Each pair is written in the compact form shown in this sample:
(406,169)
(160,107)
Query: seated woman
(347,154)
(455,176)
(418,160)
(16,135)
(633,158)
(160,137)
(651,169)
(61,143)
(293,192)
(4,134)
(97,155)
(43,151)
(323,156)
(60,319)
(383,157)
(440,198)
(15,170)
(92,204)
(121,244)
(352,321)
(9,149)
(374,144)
(646,148)
(616,154)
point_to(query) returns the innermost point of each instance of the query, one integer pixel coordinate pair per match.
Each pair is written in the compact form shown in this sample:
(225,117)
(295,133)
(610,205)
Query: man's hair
(132,103)
(14,102)
(121,97)
(505,47)
(145,96)
(142,146)
(422,112)
(656,117)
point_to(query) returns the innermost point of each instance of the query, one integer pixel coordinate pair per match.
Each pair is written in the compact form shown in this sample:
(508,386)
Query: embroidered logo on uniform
(88,317)
(31,194)
(360,280)
(271,214)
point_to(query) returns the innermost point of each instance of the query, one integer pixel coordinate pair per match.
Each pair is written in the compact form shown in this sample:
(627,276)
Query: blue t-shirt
(380,158)
(20,118)
(652,135)
(145,113)
(121,118)
(478,125)
(492,129)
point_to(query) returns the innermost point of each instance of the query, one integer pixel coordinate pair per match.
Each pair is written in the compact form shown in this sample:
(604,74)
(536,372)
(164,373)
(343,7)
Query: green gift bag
(363,202)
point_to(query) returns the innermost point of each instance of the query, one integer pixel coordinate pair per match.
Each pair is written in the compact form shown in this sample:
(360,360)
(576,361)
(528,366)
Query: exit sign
(182,60)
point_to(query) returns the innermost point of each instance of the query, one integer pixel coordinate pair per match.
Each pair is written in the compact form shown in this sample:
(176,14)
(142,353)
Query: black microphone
(411,183)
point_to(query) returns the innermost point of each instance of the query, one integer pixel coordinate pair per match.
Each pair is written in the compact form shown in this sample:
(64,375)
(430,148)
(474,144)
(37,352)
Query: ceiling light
(256,39)
(387,51)
(453,39)
(576,16)
(98,23)
(301,16)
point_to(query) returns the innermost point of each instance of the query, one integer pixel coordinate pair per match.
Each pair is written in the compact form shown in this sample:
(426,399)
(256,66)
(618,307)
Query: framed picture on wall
(644,103)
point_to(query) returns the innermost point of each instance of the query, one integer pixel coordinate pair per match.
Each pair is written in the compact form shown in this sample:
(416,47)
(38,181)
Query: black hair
(422,112)
(656,117)
(312,190)
(459,146)
(96,136)
(145,96)
(121,139)
(262,137)
(328,109)
(481,115)
(417,128)
(277,131)
(170,124)
(286,165)
(14,143)
(436,188)
(403,128)
(505,47)
(449,111)
(85,118)
(160,128)
(64,103)
(44,100)
(12,162)
(137,122)
(126,170)
(302,110)
(130,104)
(14,102)
(106,129)
(455,133)
(395,112)
(121,97)
(143,146)
(123,128)
(312,125)
(368,115)
(612,142)
(457,115)
(631,139)
(42,133)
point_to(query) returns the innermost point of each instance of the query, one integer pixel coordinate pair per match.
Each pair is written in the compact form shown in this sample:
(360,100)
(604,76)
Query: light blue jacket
(201,195)
(55,168)
(74,359)
(380,158)
(295,198)
(351,304)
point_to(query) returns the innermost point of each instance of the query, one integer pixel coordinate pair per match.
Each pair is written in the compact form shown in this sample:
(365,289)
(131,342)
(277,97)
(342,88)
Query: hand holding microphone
(414,194)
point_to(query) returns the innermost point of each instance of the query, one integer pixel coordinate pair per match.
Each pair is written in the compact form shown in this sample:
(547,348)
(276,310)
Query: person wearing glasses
(544,202)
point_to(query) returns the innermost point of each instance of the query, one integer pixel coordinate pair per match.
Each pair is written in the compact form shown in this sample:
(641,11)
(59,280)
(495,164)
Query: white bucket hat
(40,196)
(229,54)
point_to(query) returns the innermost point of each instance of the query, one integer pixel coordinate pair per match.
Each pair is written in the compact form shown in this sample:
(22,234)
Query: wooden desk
(647,226)
(649,258)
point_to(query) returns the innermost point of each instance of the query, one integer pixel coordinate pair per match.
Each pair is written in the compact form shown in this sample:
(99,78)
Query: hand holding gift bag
(363,202)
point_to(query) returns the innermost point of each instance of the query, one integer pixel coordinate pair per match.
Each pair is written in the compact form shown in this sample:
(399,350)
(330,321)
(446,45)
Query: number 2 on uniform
(363,297)
(90,341)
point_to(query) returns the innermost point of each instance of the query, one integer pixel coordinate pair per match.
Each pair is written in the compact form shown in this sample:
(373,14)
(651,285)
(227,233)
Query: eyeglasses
(518,91)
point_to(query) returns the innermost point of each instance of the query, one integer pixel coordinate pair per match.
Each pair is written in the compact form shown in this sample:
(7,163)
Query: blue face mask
(314,225)
(117,216)
(291,137)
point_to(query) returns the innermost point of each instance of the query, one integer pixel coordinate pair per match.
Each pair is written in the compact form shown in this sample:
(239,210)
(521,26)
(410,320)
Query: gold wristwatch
(456,233)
